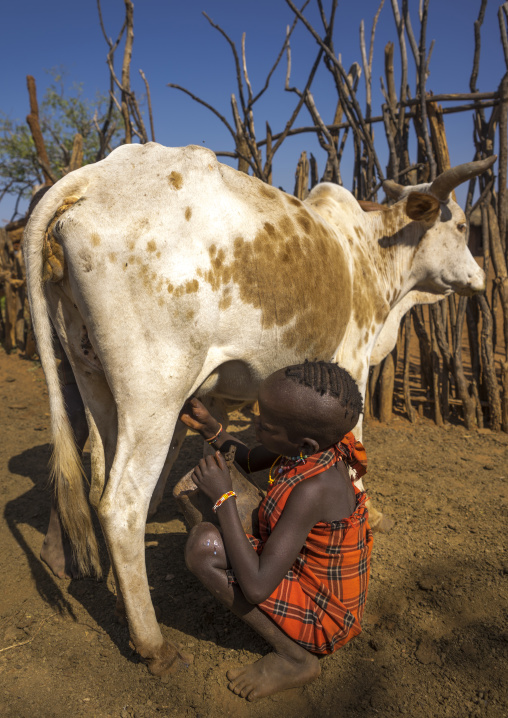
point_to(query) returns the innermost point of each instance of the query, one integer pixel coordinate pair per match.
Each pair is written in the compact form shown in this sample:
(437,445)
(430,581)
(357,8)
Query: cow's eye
(462,227)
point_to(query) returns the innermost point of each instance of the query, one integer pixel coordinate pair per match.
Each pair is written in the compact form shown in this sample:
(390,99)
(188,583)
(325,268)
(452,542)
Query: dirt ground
(435,631)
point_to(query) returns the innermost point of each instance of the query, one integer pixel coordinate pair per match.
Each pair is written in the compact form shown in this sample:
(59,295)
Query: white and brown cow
(167,274)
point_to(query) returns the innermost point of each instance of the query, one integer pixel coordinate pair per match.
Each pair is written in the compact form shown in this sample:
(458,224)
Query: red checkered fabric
(321,600)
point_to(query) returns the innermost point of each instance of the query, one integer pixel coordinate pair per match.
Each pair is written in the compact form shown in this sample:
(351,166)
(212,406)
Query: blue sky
(175,43)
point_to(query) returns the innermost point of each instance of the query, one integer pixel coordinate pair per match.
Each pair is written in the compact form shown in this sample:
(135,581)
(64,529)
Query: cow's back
(196,247)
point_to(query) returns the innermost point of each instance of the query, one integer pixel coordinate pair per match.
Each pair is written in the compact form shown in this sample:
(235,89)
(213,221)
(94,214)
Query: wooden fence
(15,322)
(452,356)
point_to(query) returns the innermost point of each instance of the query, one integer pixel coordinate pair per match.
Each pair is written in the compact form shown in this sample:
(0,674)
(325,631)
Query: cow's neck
(391,241)
(382,260)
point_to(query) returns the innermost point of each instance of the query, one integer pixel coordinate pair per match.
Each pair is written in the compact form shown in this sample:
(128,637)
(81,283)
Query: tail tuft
(67,475)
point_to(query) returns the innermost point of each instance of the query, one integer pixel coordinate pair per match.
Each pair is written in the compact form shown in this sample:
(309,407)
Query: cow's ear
(422,207)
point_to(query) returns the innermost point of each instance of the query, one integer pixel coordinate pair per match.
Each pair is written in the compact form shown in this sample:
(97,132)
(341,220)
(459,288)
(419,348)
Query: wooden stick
(35,129)
(407,387)
(467,403)
(149,101)
(489,372)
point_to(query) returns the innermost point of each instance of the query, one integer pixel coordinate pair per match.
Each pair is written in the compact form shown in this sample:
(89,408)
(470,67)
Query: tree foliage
(64,111)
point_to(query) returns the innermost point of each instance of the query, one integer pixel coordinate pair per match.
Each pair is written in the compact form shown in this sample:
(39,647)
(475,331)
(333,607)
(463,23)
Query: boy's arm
(258,576)
(196,416)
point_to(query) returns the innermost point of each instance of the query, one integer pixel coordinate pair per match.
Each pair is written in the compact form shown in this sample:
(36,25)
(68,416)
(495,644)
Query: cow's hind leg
(142,447)
(174,449)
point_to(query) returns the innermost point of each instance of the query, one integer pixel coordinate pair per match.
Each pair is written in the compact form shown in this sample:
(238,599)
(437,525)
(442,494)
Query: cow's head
(443,260)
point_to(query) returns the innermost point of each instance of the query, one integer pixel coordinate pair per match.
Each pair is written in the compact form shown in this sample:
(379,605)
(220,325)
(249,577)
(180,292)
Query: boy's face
(274,436)
(271,425)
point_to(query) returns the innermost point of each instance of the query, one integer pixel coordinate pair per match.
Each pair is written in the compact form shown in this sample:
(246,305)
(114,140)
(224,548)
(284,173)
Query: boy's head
(311,405)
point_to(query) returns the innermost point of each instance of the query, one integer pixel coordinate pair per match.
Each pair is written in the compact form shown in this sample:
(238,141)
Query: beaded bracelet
(224,497)
(216,436)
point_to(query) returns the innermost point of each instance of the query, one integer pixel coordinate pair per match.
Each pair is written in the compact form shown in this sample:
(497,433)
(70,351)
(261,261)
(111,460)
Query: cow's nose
(477,280)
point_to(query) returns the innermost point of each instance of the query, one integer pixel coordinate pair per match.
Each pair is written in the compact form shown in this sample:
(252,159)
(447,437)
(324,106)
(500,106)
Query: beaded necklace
(283,465)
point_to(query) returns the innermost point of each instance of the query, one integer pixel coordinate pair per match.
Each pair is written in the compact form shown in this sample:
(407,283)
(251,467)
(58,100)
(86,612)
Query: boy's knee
(200,546)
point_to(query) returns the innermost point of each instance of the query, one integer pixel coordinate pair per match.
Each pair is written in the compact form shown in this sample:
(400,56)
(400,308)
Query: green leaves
(63,112)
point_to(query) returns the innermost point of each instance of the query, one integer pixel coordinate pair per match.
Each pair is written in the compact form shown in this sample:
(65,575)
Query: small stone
(488,467)
(13,634)
(169,576)
(10,379)
(427,584)
(426,653)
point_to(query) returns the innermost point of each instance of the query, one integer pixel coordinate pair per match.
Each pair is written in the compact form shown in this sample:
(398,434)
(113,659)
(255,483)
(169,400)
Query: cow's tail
(66,467)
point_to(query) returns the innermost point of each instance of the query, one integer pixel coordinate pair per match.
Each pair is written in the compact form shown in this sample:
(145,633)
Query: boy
(302,583)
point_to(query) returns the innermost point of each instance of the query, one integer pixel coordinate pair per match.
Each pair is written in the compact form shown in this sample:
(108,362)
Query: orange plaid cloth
(320,602)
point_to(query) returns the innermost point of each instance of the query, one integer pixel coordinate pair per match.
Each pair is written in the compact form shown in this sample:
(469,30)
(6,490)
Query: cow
(167,274)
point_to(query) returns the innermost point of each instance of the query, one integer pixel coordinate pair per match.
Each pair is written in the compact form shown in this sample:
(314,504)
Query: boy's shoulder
(322,483)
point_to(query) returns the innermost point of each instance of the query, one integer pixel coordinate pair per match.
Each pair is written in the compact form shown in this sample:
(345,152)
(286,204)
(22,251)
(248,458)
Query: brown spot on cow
(286,225)
(188,213)
(151,246)
(175,180)
(146,277)
(267,191)
(191,286)
(112,257)
(304,222)
(367,302)
(269,229)
(131,244)
(96,240)
(294,200)
(226,299)
(189,314)
(170,288)
(312,264)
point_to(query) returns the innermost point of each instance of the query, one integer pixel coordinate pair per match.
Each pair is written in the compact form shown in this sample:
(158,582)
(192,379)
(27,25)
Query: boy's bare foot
(271,674)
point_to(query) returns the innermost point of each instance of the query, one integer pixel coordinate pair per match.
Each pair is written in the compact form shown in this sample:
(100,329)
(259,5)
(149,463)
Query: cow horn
(392,189)
(447,181)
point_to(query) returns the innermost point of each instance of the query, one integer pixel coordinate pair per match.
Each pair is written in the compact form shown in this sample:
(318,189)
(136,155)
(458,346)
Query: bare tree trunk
(489,372)
(302,177)
(407,388)
(387,383)
(35,129)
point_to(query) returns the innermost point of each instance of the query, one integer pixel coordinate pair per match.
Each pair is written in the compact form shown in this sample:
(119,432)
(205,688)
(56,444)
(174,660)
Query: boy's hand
(212,476)
(196,416)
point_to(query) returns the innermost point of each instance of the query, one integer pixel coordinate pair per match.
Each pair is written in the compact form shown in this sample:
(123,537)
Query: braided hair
(328,378)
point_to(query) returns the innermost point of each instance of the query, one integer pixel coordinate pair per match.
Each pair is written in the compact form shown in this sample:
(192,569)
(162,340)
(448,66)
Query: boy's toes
(233,673)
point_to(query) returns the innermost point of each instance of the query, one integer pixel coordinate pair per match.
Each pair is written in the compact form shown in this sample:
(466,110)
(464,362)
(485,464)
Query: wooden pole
(35,129)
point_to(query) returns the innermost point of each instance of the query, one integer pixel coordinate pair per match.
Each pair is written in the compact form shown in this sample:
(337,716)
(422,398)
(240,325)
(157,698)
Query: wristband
(215,436)
(224,497)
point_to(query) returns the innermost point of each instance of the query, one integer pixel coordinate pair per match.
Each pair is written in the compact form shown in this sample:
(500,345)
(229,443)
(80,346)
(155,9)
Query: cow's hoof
(384,524)
(165,662)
